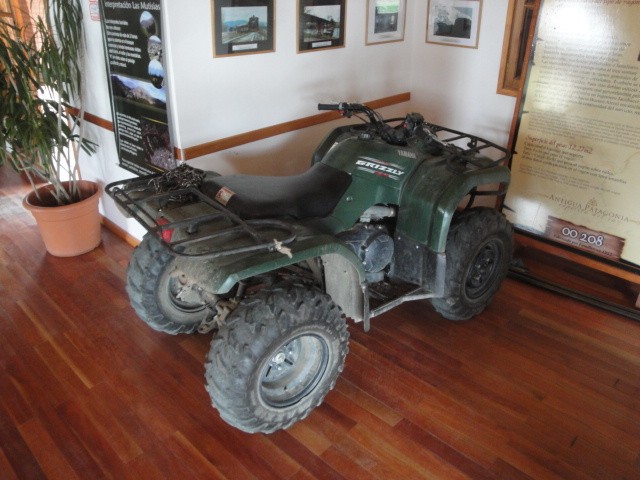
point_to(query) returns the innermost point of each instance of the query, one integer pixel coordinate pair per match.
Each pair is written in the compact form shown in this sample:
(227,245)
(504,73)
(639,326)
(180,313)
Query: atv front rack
(465,147)
(191,224)
(468,151)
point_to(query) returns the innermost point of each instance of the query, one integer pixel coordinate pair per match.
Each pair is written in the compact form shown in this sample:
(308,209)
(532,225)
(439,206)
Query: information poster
(133,40)
(576,174)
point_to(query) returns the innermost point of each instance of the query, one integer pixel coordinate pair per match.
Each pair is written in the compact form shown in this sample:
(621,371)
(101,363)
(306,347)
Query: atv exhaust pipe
(377,212)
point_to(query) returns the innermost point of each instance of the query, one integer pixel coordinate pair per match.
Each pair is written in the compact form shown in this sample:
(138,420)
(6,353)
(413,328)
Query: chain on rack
(183,176)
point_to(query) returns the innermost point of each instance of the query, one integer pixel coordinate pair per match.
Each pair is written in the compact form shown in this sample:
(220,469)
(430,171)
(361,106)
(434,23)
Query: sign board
(132,34)
(576,173)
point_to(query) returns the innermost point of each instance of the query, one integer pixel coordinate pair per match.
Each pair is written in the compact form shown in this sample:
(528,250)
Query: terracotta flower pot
(67,230)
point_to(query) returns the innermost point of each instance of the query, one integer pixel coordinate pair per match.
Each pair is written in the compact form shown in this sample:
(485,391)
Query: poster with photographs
(133,44)
(385,21)
(321,24)
(454,22)
(243,27)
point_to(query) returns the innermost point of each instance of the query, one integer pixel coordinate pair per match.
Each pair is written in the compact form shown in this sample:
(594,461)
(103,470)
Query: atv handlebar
(414,127)
(348,109)
(329,106)
(395,136)
(344,107)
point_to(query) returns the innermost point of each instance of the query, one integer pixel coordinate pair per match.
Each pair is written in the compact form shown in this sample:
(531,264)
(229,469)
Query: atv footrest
(383,296)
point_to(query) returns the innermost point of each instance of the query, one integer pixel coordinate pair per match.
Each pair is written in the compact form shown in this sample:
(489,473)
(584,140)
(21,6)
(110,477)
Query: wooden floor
(538,386)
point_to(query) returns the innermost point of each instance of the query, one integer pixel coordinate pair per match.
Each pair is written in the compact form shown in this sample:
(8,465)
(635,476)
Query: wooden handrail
(91,118)
(196,151)
(271,131)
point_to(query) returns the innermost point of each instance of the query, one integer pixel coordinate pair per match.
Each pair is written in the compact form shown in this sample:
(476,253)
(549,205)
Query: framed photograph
(321,24)
(385,21)
(243,27)
(454,22)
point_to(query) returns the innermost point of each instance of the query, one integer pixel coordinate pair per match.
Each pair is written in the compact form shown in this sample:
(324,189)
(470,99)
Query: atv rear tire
(479,248)
(278,355)
(156,292)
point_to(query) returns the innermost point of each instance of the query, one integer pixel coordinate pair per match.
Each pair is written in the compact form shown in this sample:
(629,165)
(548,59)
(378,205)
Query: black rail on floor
(520,273)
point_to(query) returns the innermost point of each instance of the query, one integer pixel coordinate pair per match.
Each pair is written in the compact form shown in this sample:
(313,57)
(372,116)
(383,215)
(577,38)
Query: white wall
(456,86)
(218,97)
(286,154)
(212,98)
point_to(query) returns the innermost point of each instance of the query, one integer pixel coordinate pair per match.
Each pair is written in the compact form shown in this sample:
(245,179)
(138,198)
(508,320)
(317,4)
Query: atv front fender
(429,201)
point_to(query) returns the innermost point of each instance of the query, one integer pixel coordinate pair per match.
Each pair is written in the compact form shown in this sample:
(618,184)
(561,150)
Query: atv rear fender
(343,270)
(429,201)
(217,249)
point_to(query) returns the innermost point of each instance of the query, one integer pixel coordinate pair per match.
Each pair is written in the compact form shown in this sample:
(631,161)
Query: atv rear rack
(191,224)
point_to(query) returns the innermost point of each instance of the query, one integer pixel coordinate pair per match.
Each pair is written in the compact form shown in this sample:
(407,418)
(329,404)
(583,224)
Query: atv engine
(371,242)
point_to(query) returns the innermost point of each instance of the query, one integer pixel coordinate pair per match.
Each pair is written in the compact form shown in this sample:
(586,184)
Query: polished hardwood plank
(537,387)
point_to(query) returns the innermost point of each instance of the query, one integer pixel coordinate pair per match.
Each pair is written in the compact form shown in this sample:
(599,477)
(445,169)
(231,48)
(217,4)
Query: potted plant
(41,126)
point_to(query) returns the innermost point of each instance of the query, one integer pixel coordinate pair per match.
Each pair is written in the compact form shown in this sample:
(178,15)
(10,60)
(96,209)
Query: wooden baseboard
(556,251)
(588,262)
(119,232)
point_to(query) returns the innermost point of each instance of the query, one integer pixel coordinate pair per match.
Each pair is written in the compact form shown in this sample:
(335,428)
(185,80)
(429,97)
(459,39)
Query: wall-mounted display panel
(132,34)
(576,173)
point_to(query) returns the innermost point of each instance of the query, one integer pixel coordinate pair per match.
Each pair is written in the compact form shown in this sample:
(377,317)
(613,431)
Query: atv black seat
(313,193)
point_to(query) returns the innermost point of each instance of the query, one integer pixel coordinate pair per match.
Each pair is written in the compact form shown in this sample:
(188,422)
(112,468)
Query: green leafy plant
(41,115)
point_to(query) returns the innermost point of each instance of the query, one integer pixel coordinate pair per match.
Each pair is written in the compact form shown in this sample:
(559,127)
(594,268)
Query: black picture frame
(243,27)
(321,24)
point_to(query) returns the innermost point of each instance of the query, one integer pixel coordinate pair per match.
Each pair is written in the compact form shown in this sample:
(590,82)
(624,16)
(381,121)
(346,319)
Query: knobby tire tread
(145,269)
(246,340)
(468,230)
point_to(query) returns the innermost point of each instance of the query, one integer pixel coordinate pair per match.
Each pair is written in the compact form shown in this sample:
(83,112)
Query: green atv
(276,264)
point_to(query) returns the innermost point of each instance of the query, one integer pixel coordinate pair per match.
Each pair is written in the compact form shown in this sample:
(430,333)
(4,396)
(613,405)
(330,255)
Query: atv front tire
(158,294)
(479,248)
(278,355)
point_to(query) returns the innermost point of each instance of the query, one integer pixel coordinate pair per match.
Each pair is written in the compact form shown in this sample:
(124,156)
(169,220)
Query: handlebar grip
(329,106)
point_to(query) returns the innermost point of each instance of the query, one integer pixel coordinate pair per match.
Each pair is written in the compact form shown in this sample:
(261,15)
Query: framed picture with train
(243,27)
(321,24)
